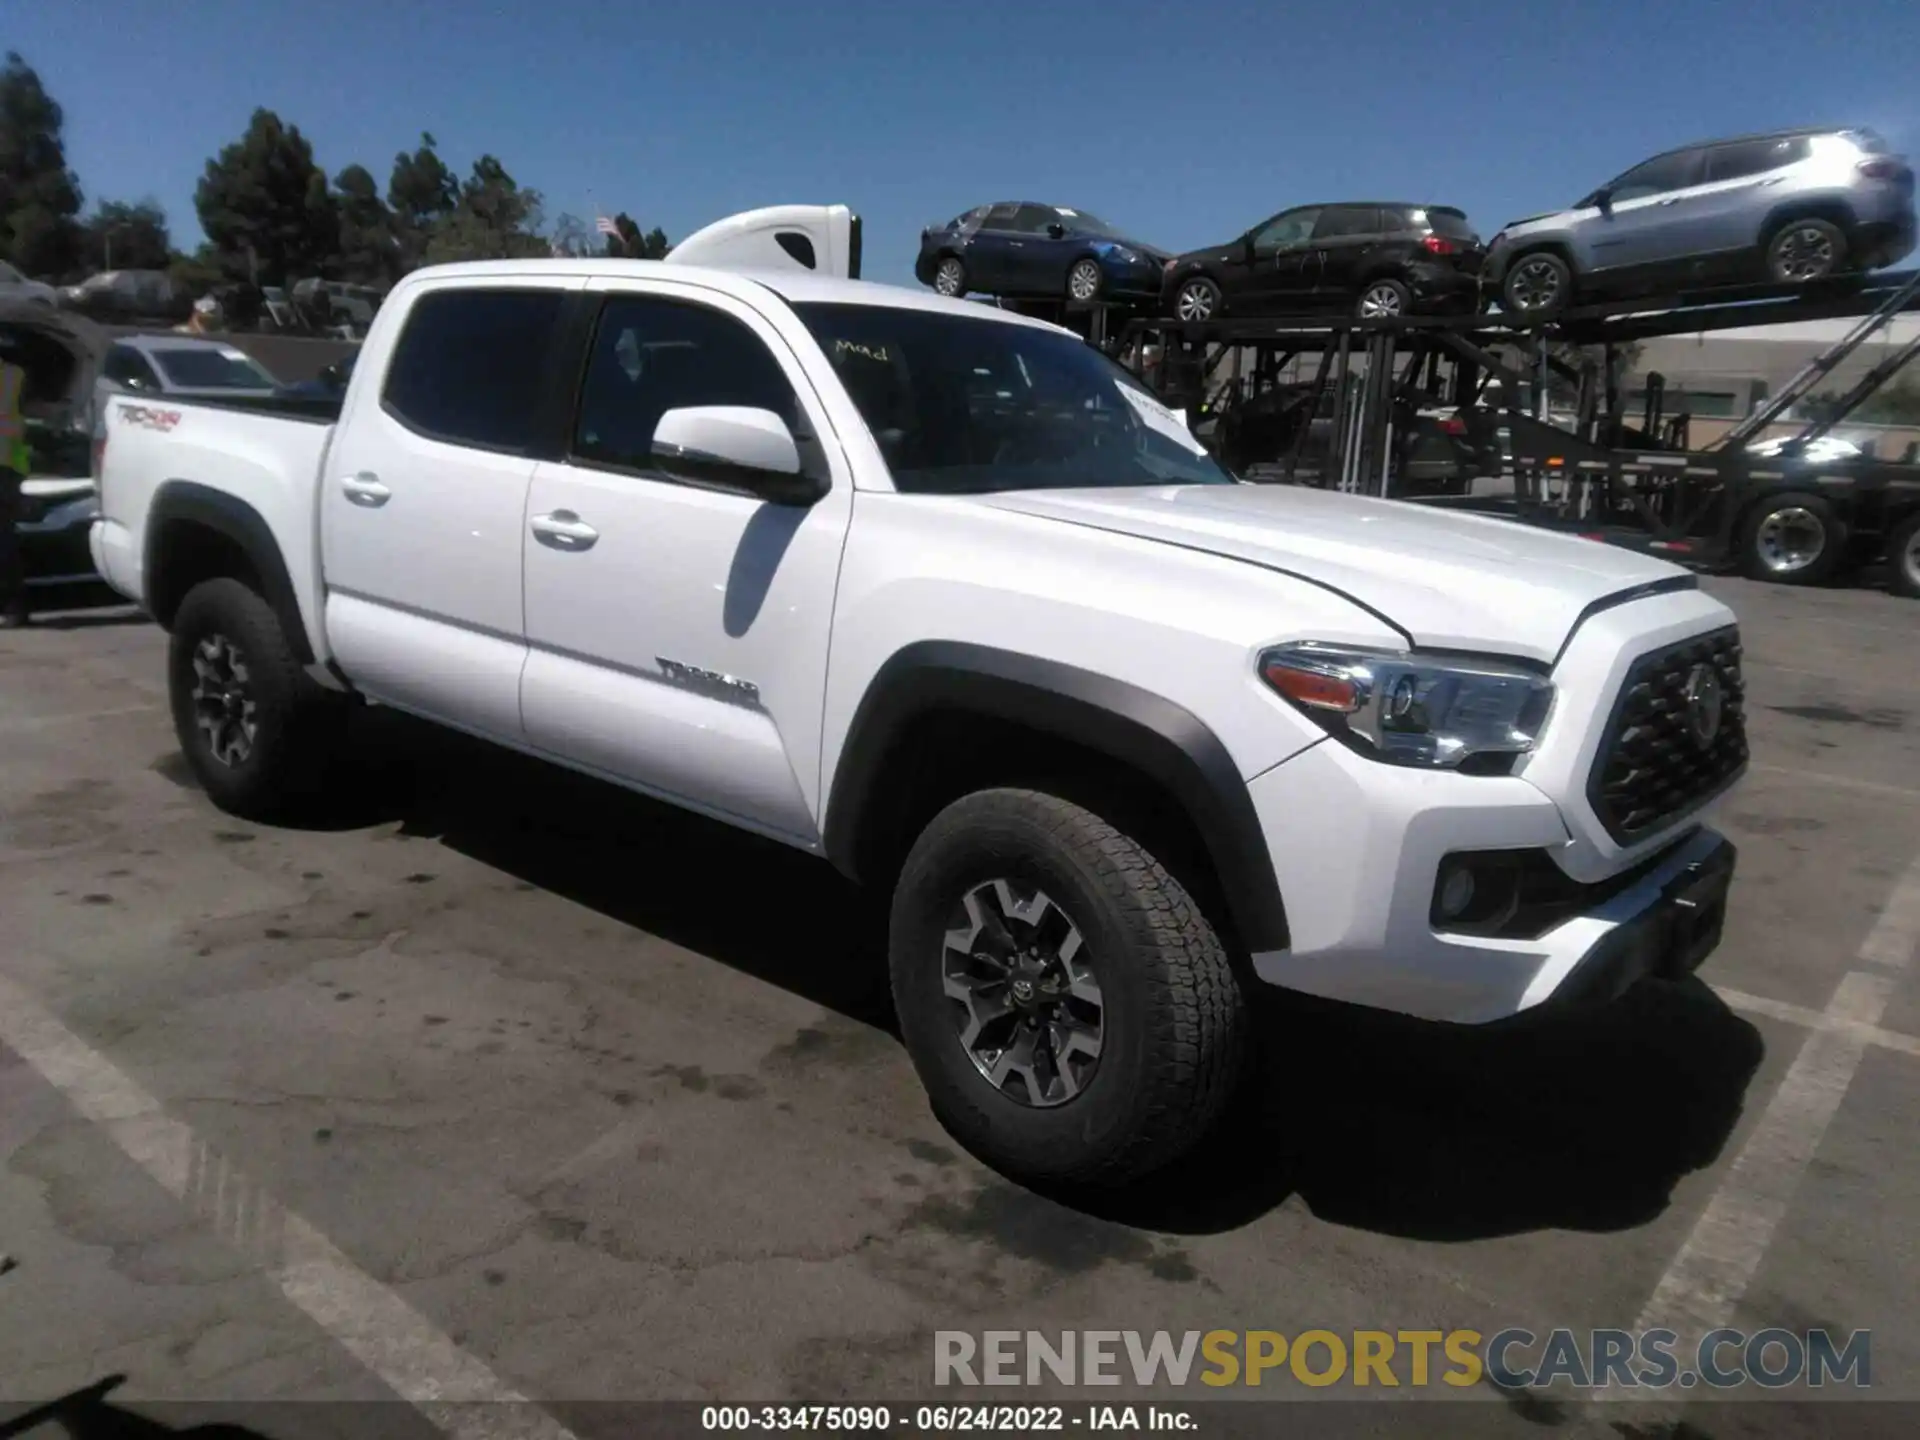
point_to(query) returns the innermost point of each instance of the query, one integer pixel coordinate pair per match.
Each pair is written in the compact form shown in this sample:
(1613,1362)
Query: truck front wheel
(1071,1013)
(259,733)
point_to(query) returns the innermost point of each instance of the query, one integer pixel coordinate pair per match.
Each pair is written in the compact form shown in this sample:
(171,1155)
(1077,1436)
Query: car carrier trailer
(1547,441)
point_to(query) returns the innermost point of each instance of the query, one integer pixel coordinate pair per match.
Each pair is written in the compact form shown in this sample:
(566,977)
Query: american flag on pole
(606,226)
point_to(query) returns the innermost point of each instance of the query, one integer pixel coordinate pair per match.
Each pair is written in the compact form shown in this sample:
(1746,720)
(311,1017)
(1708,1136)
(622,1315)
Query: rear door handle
(563,530)
(365,489)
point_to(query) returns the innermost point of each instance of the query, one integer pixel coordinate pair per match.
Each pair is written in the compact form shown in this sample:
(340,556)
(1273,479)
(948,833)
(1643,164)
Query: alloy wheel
(1909,559)
(1025,1002)
(1083,281)
(947,278)
(1379,303)
(1804,253)
(223,703)
(1535,284)
(1195,302)
(1791,540)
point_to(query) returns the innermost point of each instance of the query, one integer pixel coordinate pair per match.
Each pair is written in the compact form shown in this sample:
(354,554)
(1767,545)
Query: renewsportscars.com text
(1512,1358)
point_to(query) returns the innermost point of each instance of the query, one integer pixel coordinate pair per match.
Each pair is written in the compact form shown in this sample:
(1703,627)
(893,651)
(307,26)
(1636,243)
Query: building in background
(1720,377)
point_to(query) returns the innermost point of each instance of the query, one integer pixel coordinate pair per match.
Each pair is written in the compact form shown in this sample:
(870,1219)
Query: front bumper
(1138,281)
(1358,848)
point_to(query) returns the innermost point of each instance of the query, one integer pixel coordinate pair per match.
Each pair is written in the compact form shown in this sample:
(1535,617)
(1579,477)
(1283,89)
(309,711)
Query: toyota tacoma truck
(943,596)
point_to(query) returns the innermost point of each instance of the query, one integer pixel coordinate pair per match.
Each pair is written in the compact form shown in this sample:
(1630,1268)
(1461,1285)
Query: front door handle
(365,489)
(564,530)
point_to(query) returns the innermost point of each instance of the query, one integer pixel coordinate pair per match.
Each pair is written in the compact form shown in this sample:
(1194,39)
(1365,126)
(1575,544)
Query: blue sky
(1182,121)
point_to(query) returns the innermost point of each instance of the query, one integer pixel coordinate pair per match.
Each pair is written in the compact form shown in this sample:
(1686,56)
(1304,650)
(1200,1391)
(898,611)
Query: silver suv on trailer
(1791,207)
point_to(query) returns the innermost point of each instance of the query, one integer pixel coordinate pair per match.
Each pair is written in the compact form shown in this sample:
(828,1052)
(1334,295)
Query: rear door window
(1346,222)
(1001,217)
(469,367)
(1754,157)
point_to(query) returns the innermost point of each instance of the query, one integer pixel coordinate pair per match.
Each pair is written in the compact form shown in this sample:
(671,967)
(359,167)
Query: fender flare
(1830,208)
(233,518)
(1149,733)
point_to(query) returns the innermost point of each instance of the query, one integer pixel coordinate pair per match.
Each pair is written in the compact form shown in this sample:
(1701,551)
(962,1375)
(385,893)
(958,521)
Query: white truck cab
(945,597)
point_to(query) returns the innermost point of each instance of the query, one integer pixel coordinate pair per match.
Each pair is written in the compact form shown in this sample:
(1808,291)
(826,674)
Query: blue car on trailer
(1021,250)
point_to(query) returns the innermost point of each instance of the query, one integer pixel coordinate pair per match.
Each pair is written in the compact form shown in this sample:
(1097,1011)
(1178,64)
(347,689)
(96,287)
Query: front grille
(1653,767)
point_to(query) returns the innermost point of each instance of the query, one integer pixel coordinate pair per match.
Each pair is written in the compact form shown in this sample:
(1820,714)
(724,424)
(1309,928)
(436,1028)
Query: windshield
(964,407)
(1088,224)
(196,369)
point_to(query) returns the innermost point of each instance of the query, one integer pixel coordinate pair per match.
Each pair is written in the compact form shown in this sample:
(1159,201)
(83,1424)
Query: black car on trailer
(1371,258)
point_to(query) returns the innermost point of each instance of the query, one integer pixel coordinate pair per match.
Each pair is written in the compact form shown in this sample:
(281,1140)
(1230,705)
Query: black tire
(1793,538)
(298,726)
(956,266)
(1205,291)
(1537,284)
(1173,1020)
(1803,252)
(1903,558)
(1085,263)
(1377,294)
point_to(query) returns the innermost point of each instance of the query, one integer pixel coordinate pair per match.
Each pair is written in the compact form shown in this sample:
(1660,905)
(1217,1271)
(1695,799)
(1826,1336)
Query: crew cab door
(677,632)
(423,500)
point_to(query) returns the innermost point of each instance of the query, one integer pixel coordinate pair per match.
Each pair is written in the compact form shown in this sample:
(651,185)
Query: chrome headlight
(1429,711)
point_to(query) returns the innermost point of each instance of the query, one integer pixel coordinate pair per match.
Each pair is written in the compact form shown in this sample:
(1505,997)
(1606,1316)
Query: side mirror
(1056,231)
(1246,245)
(738,447)
(1602,200)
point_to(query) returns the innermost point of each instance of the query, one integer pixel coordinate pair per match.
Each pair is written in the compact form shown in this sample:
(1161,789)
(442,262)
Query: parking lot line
(454,1390)
(1816,1019)
(80,717)
(1713,1268)
(1871,787)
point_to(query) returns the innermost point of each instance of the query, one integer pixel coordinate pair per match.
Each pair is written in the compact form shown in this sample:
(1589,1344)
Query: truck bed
(257,457)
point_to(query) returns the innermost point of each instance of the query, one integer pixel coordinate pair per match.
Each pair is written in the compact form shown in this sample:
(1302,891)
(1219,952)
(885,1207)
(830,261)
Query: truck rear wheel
(1903,557)
(260,734)
(1072,1014)
(1792,538)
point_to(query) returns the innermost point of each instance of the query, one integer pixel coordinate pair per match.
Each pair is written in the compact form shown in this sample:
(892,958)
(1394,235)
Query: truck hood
(1447,580)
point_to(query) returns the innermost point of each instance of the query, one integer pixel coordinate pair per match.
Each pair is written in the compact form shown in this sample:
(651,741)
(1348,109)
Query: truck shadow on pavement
(1581,1121)
(87,1414)
(1576,1122)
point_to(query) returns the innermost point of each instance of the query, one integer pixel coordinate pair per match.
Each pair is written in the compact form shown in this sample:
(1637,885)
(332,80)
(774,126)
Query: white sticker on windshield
(1162,420)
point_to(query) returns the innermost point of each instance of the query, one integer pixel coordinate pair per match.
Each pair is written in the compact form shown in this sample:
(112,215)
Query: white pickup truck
(944,596)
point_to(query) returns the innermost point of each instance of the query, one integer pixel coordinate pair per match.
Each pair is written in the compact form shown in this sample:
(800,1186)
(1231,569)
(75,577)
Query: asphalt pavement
(510,1087)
